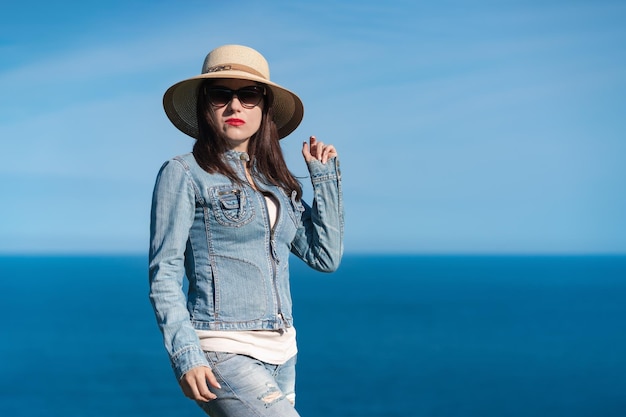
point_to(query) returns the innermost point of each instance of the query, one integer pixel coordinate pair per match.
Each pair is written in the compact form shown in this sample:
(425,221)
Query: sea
(384,336)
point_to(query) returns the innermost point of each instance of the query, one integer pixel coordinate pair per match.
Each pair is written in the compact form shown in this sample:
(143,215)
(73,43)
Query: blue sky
(463,127)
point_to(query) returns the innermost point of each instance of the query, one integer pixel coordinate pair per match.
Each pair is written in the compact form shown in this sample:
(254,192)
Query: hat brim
(180,102)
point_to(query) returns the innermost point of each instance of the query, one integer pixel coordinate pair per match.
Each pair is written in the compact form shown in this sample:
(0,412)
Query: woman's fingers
(212,380)
(308,149)
(317,150)
(329,152)
(194,384)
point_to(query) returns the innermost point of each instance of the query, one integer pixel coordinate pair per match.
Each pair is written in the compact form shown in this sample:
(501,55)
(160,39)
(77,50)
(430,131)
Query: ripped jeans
(250,387)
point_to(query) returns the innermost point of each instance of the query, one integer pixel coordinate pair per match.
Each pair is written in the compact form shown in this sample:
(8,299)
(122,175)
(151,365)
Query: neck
(239,145)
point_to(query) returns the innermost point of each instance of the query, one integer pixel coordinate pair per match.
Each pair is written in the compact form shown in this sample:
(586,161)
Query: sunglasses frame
(233,93)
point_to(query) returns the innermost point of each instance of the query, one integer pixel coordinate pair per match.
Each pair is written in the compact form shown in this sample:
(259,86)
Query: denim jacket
(218,234)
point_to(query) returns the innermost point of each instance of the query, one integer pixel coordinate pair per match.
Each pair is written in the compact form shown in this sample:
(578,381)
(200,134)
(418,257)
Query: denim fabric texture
(251,387)
(217,234)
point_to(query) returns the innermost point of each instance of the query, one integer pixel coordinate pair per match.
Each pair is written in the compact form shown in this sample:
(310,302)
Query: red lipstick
(235,122)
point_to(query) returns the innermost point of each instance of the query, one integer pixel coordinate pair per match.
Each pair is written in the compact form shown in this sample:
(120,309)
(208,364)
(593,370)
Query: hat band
(234,67)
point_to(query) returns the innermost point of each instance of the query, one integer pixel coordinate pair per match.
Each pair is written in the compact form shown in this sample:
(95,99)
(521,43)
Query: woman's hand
(194,384)
(317,150)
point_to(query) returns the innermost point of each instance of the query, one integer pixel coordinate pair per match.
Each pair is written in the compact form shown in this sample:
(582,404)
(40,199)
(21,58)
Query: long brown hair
(266,155)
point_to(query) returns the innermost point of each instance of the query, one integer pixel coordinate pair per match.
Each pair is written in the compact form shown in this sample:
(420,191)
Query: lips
(235,122)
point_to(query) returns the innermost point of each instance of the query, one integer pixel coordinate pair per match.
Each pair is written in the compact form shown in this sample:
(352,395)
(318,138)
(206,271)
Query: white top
(272,209)
(270,346)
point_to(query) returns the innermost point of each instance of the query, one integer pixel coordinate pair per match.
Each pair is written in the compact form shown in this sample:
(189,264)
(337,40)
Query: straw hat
(231,61)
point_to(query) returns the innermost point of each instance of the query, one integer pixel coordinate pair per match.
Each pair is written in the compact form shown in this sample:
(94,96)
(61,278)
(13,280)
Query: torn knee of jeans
(291,397)
(272,395)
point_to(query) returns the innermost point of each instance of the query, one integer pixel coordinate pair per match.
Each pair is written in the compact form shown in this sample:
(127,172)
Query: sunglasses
(248,96)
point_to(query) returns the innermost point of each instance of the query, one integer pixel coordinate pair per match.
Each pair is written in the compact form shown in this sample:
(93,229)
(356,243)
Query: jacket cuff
(324,172)
(186,359)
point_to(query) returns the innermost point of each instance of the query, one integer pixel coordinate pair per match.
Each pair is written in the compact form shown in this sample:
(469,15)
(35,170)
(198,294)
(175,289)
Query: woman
(228,216)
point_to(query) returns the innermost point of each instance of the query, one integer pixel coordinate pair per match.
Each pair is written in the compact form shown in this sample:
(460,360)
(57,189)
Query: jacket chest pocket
(295,208)
(231,205)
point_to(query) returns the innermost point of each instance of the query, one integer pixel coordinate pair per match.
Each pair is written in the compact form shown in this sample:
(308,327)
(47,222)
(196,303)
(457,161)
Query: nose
(234,103)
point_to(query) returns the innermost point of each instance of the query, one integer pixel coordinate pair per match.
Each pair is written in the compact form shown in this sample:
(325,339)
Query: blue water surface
(385,336)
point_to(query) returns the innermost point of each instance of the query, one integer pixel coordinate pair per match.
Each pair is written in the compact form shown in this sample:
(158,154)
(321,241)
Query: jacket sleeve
(173,207)
(319,239)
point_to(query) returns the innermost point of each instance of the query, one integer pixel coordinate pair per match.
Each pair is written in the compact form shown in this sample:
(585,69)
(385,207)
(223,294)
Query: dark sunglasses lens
(219,97)
(250,96)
